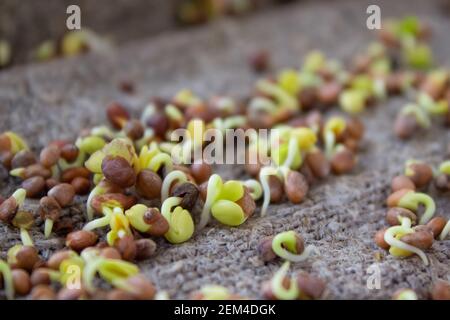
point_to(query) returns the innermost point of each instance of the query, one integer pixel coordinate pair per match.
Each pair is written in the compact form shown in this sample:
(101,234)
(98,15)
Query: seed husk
(441,290)
(81,239)
(134,129)
(159,224)
(69,174)
(393,214)
(420,174)
(119,294)
(36,169)
(189,194)
(436,225)
(49,208)
(310,287)
(265,250)
(422,238)
(159,123)
(318,163)
(328,94)
(113,199)
(149,184)
(55,259)
(145,248)
(110,253)
(8,210)
(442,182)
(247,203)
(34,186)
(118,171)
(201,171)
(296,186)
(21,280)
(26,258)
(117,115)
(405,126)
(81,185)
(276,189)
(42,292)
(49,156)
(50,183)
(402,182)
(22,159)
(40,276)
(126,247)
(379,239)
(70,294)
(395,197)
(69,152)
(140,287)
(343,161)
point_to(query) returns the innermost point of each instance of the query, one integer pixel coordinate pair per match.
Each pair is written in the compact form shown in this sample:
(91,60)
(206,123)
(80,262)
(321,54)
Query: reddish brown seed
(393,214)
(328,93)
(159,123)
(265,250)
(394,83)
(189,194)
(34,186)
(36,169)
(69,174)
(405,126)
(343,161)
(276,189)
(442,182)
(113,199)
(134,129)
(267,288)
(141,287)
(40,276)
(296,186)
(26,258)
(81,185)
(201,171)
(69,152)
(310,287)
(6,158)
(145,248)
(43,292)
(126,86)
(81,239)
(50,183)
(394,198)
(158,224)
(55,259)
(22,159)
(259,61)
(247,203)
(307,172)
(21,280)
(63,193)
(252,169)
(355,128)
(440,290)
(379,239)
(149,184)
(127,247)
(8,210)
(203,189)
(70,294)
(308,97)
(402,182)
(422,237)
(318,163)
(421,174)
(49,208)
(49,156)
(110,253)
(117,115)
(118,171)
(436,225)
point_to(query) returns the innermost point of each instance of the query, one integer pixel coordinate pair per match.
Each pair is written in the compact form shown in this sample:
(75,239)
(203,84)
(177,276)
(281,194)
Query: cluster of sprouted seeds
(135,191)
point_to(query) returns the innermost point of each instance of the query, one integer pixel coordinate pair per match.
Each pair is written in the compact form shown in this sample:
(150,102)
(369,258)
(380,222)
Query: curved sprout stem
(277,284)
(292,152)
(389,237)
(277,247)
(264,178)
(89,272)
(256,190)
(25,237)
(161,159)
(48,227)
(411,201)
(176,175)
(100,222)
(5,270)
(168,204)
(89,210)
(445,231)
(211,195)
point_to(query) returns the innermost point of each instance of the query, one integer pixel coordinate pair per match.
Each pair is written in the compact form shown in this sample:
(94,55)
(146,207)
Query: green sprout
(255,188)
(181,224)
(283,98)
(120,226)
(412,200)
(285,246)
(334,127)
(353,101)
(264,175)
(278,289)
(422,117)
(5,270)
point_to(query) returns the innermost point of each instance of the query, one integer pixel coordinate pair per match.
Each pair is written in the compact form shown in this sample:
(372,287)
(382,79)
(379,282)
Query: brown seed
(247,203)
(355,128)
(141,287)
(276,189)
(70,294)
(63,193)
(158,224)
(49,208)
(34,186)
(40,276)
(421,238)
(119,294)
(442,182)
(134,129)
(149,184)
(343,161)
(118,171)
(117,115)
(127,247)
(265,250)
(405,126)
(23,219)
(8,210)
(421,174)
(296,186)
(145,248)
(6,158)
(310,287)
(252,168)
(379,239)
(50,183)
(69,174)
(394,198)
(189,194)
(126,86)
(69,152)
(440,290)
(402,182)
(259,61)
(328,93)
(55,259)
(81,239)
(159,123)
(318,163)
(201,171)
(436,225)
(110,253)
(393,214)
(22,159)
(49,156)
(26,258)
(113,199)
(267,288)
(308,97)
(43,292)
(36,169)
(21,280)
(81,185)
